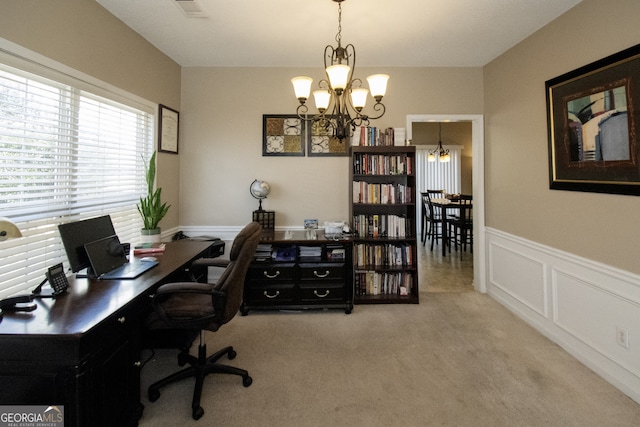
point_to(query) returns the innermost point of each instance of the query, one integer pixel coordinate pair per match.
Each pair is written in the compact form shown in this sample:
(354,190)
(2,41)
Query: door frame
(477,179)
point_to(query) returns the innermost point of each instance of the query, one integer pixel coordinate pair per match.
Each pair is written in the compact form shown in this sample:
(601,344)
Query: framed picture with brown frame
(592,116)
(321,142)
(283,135)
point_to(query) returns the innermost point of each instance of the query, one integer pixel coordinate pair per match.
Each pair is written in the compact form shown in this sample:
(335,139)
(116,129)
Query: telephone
(57,280)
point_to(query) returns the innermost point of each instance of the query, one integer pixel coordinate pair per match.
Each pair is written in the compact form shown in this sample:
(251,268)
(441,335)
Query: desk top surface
(299,236)
(87,302)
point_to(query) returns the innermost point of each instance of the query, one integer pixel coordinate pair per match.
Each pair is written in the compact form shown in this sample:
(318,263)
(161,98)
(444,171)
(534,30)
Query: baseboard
(580,304)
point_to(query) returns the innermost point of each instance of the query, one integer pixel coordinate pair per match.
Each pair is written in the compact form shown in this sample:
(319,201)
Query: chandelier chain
(339,35)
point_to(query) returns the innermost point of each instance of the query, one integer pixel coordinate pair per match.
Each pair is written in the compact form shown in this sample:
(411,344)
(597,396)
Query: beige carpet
(456,359)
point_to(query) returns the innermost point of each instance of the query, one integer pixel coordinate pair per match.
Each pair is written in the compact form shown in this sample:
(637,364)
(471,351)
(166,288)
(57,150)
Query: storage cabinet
(291,271)
(383,212)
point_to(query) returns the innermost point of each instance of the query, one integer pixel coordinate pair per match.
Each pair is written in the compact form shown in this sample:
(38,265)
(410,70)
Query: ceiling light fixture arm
(340,98)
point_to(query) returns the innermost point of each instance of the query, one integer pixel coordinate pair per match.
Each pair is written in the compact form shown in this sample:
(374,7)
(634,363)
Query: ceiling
(293,33)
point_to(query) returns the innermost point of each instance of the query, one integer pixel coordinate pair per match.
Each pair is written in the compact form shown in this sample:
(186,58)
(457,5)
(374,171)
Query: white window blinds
(65,154)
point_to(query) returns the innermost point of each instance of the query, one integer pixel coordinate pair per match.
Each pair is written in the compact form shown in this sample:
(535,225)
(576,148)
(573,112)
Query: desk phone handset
(18,303)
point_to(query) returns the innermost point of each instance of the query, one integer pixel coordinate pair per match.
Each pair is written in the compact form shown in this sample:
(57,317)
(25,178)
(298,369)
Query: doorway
(477,131)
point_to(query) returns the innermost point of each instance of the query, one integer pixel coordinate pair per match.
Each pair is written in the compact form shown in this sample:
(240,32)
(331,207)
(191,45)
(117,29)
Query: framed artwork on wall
(283,135)
(321,141)
(593,116)
(168,124)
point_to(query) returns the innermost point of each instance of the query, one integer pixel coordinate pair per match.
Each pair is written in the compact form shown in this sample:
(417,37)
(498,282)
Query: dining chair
(461,227)
(431,219)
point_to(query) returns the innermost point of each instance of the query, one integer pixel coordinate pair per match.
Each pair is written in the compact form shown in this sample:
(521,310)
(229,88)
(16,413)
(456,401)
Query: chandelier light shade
(341,97)
(442,154)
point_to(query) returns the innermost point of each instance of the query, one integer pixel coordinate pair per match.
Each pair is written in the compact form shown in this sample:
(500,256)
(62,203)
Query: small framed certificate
(168,121)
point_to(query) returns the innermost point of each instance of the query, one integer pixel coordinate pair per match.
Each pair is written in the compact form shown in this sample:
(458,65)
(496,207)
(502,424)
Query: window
(438,175)
(66,153)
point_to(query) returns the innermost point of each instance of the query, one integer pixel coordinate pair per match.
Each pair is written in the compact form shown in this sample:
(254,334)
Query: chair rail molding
(579,304)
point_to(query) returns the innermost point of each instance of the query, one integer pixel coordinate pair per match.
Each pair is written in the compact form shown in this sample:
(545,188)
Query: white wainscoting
(578,303)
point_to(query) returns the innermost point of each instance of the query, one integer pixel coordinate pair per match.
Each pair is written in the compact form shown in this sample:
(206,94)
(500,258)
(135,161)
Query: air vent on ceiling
(191,8)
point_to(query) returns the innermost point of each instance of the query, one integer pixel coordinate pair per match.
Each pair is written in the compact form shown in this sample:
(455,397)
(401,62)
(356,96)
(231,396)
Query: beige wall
(83,35)
(601,227)
(453,133)
(221,148)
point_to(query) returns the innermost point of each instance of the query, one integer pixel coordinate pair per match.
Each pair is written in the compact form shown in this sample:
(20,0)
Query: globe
(259,190)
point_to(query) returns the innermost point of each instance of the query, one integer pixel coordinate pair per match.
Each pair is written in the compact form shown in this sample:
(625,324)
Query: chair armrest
(163,304)
(211,262)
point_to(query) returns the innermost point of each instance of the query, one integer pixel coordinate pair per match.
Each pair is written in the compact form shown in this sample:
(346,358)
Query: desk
(82,349)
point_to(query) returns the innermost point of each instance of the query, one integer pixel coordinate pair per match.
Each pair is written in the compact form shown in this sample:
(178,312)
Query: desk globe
(259,190)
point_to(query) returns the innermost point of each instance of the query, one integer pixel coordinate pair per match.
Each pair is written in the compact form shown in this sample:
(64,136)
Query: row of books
(382,226)
(365,192)
(371,136)
(268,252)
(376,283)
(383,255)
(382,164)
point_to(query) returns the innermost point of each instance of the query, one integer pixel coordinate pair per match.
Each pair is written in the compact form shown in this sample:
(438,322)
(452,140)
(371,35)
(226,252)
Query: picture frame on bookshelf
(283,135)
(322,143)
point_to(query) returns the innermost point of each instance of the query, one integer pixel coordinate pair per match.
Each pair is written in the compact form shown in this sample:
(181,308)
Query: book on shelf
(372,283)
(148,248)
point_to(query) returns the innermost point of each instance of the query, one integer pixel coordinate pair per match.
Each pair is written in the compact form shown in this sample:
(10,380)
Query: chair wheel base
(247,381)
(197,412)
(154,395)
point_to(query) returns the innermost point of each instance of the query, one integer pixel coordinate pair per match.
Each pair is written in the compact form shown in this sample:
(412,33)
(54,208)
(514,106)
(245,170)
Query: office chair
(192,306)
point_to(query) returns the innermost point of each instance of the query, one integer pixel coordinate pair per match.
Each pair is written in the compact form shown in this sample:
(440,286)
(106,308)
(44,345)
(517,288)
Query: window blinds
(65,154)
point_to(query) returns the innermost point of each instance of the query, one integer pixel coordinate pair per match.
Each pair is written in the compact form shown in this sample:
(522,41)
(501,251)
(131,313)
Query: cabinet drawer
(269,295)
(322,293)
(275,273)
(328,271)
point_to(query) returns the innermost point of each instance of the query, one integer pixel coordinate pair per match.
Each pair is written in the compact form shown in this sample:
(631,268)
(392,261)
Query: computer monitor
(77,234)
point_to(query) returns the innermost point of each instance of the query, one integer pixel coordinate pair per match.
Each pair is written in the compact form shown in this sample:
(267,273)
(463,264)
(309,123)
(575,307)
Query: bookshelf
(383,214)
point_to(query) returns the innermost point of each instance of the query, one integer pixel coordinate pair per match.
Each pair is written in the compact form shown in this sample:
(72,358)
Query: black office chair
(192,306)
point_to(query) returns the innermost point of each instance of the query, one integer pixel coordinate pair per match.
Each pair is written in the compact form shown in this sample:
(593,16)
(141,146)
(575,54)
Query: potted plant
(151,207)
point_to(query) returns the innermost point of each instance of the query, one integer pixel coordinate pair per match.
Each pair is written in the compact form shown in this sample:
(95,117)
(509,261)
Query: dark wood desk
(82,349)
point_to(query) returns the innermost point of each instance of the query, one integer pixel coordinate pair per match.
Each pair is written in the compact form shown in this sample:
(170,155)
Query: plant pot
(150,236)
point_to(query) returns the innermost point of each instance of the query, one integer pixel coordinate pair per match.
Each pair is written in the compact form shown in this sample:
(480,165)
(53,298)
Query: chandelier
(340,98)
(443,155)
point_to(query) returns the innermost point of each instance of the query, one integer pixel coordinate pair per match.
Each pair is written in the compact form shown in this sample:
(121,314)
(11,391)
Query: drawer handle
(266,294)
(326,293)
(122,319)
(315,273)
(271,276)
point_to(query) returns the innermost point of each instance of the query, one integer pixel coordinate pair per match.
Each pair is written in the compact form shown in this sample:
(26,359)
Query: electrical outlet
(622,337)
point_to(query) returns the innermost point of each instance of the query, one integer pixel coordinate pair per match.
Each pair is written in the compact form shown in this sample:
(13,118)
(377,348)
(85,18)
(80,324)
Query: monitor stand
(86,273)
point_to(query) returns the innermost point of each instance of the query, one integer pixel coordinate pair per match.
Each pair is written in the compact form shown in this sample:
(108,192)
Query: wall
(567,262)
(596,226)
(221,152)
(82,35)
